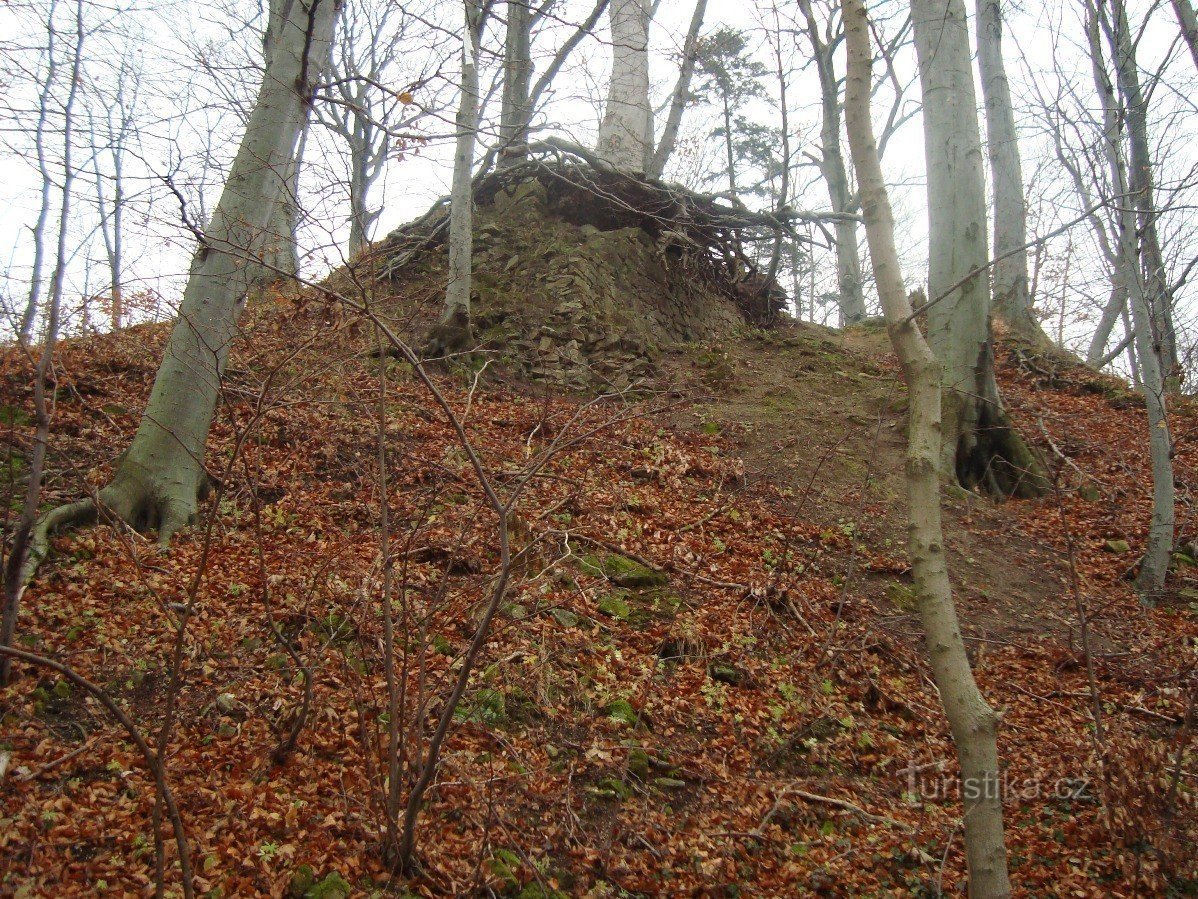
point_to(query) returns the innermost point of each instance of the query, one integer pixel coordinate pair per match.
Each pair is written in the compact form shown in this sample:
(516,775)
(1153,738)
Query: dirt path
(822,413)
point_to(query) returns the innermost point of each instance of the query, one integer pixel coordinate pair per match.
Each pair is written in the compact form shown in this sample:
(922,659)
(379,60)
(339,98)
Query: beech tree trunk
(974,724)
(454,330)
(279,249)
(1012,301)
(626,134)
(517,78)
(979,445)
(1154,565)
(836,177)
(1188,22)
(1140,184)
(161,477)
(681,95)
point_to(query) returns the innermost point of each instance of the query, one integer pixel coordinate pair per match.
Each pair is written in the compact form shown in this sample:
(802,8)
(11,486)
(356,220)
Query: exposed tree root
(998,461)
(141,509)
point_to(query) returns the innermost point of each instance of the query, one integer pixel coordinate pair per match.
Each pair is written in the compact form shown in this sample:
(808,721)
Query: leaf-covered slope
(706,677)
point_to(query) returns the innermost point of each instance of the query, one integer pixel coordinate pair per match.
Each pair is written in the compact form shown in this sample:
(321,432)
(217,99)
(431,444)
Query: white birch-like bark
(974,724)
(626,134)
(1012,301)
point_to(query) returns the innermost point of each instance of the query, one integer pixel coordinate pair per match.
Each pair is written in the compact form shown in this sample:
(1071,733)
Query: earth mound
(581,277)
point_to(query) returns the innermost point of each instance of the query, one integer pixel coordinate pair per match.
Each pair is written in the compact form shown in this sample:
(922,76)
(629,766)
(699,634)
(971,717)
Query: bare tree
(1012,301)
(111,136)
(1138,281)
(365,106)
(15,563)
(979,445)
(681,95)
(161,477)
(974,724)
(454,330)
(824,42)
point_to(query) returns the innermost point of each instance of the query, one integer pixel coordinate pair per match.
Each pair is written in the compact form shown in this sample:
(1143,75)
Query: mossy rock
(621,710)
(1089,493)
(1117,546)
(614,606)
(623,571)
(638,763)
(334,886)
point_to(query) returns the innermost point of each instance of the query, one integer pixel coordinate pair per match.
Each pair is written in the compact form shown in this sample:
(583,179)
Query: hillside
(706,677)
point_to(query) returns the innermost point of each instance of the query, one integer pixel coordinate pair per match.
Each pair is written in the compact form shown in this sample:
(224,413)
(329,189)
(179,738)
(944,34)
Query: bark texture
(1012,300)
(626,132)
(979,445)
(161,477)
(974,724)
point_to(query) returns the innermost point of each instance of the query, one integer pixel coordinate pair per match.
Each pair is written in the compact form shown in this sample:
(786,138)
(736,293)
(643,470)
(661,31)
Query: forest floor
(751,716)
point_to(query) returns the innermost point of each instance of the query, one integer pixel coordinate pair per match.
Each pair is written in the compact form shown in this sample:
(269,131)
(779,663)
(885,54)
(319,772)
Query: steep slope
(706,676)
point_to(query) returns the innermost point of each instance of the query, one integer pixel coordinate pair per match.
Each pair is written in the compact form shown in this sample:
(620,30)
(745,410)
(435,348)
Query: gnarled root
(141,509)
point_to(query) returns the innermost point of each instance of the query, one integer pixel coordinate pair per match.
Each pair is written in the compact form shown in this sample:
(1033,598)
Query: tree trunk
(14,567)
(1189,26)
(681,95)
(161,477)
(1155,563)
(979,445)
(1140,184)
(835,172)
(517,76)
(974,724)
(1115,306)
(1012,302)
(454,331)
(625,139)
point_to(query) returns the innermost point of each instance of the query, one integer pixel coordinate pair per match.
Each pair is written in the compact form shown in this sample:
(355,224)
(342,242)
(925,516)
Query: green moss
(334,886)
(615,607)
(621,710)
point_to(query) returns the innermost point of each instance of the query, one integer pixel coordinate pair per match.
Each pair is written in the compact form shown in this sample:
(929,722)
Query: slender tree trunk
(279,249)
(729,154)
(517,76)
(362,217)
(835,172)
(34,299)
(974,724)
(1154,565)
(979,445)
(1012,301)
(161,477)
(1115,306)
(681,95)
(454,330)
(1140,184)
(1188,23)
(14,582)
(625,139)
